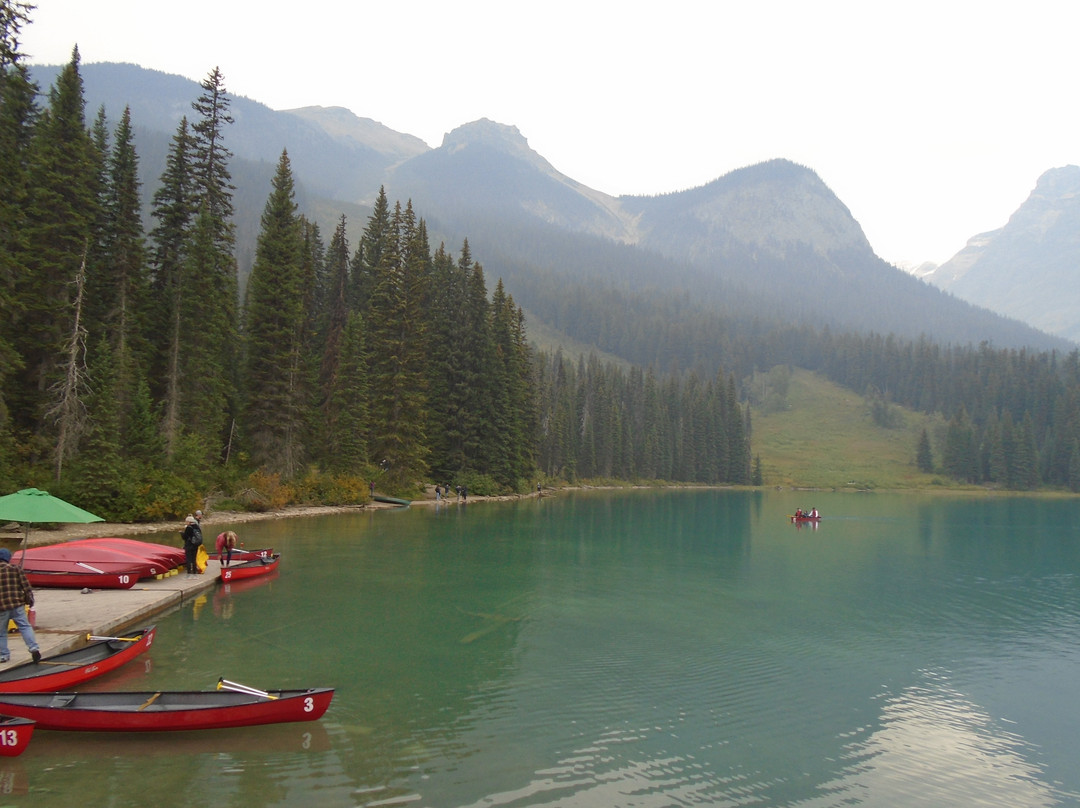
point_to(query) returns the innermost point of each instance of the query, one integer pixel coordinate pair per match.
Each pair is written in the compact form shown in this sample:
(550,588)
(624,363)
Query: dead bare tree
(69,411)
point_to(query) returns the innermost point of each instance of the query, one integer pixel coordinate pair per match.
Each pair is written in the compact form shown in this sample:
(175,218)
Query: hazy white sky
(930,119)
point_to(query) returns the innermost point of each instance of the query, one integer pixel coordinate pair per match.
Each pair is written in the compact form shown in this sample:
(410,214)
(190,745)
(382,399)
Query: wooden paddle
(239,688)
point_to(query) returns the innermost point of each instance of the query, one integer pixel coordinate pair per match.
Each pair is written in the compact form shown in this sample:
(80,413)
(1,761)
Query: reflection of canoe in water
(166,710)
(229,588)
(75,667)
(250,569)
(15,734)
(391,500)
(265,740)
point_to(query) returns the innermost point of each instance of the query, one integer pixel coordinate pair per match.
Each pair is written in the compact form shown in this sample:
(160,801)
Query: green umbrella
(32,505)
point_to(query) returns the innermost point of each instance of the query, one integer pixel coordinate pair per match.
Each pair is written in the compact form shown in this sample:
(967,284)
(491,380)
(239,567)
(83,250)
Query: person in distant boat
(192,542)
(15,595)
(813,513)
(798,513)
(225,544)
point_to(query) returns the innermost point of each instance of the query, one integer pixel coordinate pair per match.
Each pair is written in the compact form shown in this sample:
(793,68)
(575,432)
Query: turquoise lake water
(639,648)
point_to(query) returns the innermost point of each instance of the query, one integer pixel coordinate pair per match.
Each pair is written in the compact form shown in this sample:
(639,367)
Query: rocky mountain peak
(500,137)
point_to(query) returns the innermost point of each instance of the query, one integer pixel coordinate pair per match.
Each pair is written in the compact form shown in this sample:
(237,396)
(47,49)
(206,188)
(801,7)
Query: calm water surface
(624,649)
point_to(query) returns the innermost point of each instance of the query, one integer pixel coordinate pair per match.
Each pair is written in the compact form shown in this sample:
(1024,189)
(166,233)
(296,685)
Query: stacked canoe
(108,563)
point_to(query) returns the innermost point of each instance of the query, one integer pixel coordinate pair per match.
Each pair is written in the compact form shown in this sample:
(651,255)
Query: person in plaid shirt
(15,595)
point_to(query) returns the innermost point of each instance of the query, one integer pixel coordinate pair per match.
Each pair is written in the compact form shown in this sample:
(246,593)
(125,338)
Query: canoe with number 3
(166,710)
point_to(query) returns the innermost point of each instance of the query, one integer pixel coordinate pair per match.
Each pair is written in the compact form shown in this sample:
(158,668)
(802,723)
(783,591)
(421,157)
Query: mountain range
(769,242)
(1028,268)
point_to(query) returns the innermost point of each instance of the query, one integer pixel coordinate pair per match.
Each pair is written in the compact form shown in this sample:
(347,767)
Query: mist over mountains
(1028,268)
(766,243)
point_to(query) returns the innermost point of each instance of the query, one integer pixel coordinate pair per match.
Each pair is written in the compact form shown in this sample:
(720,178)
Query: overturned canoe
(82,580)
(166,710)
(75,667)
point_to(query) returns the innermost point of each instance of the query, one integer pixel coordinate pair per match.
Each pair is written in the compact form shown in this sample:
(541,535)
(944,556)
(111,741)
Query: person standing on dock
(15,595)
(192,541)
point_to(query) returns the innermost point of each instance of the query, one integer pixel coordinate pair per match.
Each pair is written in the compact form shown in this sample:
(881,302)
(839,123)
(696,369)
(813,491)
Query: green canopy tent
(32,505)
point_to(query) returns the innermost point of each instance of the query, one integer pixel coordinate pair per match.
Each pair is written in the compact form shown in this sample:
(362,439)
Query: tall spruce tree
(276,409)
(210,371)
(175,207)
(396,350)
(60,210)
(119,287)
(18,116)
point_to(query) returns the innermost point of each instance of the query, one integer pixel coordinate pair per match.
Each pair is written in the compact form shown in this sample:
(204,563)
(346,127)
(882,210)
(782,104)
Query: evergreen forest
(141,379)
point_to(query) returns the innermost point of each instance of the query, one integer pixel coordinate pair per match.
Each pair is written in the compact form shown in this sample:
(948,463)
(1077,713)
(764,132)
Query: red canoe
(77,559)
(166,710)
(15,734)
(164,554)
(245,555)
(82,580)
(250,569)
(75,667)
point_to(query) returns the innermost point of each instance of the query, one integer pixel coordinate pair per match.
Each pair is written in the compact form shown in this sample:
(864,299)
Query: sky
(932,120)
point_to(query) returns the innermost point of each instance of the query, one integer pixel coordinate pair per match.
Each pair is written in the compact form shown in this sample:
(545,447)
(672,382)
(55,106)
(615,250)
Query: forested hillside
(139,382)
(143,374)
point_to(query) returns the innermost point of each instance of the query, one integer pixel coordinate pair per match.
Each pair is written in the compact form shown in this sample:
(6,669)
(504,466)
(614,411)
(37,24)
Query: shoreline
(38,536)
(11,536)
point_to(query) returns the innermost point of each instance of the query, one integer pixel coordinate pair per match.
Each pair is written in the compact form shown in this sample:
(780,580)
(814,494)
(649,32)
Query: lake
(635,648)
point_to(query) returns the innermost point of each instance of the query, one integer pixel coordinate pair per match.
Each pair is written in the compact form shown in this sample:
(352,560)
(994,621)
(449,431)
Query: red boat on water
(250,569)
(167,710)
(245,555)
(81,580)
(805,519)
(15,734)
(75,667)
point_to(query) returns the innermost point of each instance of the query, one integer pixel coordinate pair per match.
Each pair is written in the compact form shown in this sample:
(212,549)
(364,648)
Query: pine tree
(101,477)
(346,408)
(211,276)
(369,254)
(396,350)
(119,290)
(61,208)
(924,459)
(175,208)
(276,409)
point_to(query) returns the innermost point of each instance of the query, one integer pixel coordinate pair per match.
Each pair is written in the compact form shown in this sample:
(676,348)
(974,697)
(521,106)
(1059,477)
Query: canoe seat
(62,699)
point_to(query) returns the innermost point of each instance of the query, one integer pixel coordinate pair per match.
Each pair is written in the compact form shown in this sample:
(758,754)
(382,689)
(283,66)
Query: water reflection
(638,648)
(936,747)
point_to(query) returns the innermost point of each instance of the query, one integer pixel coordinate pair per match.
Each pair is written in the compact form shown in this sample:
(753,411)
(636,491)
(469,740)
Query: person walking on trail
(192,542)
(15,595)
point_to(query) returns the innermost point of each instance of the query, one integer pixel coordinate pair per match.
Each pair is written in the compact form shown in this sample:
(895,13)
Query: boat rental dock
(63,617)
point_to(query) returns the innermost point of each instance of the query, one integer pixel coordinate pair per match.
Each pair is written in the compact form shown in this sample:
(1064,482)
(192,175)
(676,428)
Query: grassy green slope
(825,438)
